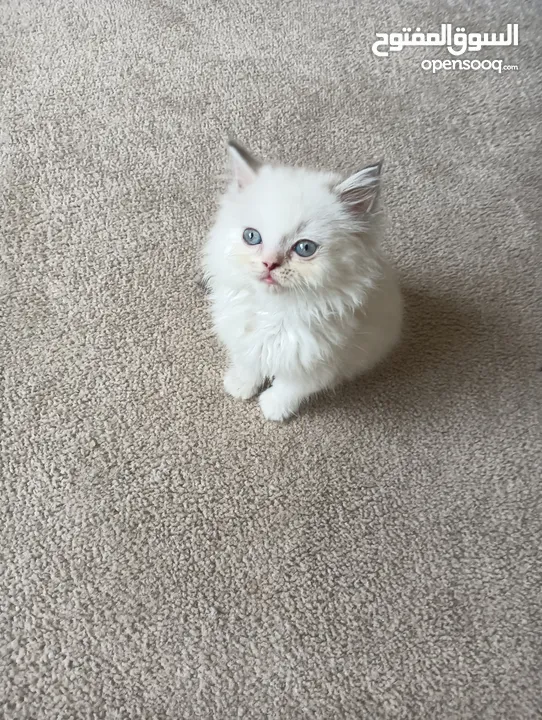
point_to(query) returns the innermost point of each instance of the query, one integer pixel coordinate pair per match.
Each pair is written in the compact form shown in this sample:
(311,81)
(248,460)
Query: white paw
(276,405)
(240,386)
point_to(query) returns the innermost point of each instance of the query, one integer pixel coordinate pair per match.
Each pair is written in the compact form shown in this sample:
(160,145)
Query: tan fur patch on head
(289,239)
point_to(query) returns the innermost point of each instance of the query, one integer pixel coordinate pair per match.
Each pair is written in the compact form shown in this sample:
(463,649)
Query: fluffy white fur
(316,321)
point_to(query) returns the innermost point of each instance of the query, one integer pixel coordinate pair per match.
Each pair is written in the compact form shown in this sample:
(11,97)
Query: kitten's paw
(276,405)
(239,385)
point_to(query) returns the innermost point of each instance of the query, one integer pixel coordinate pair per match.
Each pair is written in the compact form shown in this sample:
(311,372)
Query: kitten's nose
(271,264)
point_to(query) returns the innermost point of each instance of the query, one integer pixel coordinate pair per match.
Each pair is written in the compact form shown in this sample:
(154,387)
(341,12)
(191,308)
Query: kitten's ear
(360,191)
(244,166)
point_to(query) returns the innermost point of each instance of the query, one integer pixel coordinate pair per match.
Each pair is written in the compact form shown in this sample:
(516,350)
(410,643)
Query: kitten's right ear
(244,166)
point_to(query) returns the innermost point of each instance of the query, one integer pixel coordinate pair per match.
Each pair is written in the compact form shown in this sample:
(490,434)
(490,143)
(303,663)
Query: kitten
(301,294)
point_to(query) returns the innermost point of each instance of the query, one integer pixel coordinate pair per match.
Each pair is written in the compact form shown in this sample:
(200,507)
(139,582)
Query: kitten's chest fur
(278,335)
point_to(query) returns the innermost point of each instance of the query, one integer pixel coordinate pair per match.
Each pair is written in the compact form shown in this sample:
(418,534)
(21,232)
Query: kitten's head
(287,229)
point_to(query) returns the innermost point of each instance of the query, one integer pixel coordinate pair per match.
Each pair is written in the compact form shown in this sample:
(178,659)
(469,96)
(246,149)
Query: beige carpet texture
(165,552)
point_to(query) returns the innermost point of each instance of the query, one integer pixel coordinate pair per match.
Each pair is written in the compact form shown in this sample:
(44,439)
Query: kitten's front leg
(242,381)
(283,398)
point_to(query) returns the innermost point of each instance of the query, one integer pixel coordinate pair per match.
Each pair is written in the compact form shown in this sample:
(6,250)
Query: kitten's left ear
(245,167)
(360,191)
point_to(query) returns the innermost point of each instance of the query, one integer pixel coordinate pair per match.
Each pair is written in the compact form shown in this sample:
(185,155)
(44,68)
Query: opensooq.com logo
(457,42)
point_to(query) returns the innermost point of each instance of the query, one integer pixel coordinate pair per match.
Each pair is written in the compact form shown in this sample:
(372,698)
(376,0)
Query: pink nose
(271,265)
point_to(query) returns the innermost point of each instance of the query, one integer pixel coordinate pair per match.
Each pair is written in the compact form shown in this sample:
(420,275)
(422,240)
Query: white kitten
(301,293)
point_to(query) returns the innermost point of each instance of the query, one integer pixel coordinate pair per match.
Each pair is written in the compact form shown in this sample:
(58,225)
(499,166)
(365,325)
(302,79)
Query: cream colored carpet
(165,553)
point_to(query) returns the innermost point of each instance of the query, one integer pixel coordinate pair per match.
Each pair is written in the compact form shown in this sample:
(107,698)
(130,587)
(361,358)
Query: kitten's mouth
(268,279)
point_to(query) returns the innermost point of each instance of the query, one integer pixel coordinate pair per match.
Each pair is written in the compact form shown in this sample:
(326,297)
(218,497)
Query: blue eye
(305,248)
(252,237)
